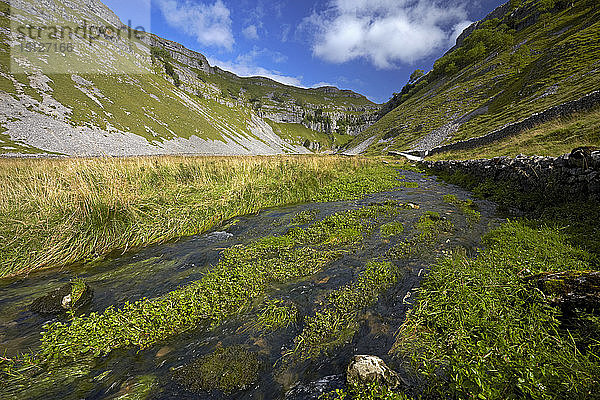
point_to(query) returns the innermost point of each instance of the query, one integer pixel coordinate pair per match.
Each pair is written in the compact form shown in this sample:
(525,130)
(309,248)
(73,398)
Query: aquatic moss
(243,274)
(467,207)
(138,388)
(337,321)
(304,217)
(391,229)
(228,369)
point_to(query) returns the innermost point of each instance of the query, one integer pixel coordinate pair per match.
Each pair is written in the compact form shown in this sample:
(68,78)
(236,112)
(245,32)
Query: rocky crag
(145,95)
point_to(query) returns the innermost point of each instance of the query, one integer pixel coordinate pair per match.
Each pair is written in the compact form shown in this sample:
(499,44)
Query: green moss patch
(228,369)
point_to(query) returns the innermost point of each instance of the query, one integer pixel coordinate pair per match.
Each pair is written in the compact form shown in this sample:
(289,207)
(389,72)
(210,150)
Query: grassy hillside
(540,54)
(553,138)
(160,95)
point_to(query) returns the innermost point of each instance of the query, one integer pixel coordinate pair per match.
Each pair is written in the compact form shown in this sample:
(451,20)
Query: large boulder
(370,369)
(72,296)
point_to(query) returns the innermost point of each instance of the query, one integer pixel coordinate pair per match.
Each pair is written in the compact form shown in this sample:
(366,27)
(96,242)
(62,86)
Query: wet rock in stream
(370,369)
(72,296)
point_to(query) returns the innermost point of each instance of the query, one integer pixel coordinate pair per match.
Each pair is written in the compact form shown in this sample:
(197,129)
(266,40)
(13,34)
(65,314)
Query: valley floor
(383,259)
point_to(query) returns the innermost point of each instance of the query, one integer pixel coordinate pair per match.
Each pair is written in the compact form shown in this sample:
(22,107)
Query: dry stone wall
(576,174)
(584,104)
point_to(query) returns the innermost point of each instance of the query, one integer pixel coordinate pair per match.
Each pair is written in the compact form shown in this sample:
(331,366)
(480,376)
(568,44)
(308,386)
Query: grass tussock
(58,212)
(480,330)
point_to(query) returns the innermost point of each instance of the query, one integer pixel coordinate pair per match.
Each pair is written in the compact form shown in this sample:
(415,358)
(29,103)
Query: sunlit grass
(57,212)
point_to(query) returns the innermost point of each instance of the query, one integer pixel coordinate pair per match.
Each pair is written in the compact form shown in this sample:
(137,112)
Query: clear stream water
(157,270)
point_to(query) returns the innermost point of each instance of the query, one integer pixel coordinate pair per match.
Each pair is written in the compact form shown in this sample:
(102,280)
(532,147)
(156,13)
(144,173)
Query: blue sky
(369,46)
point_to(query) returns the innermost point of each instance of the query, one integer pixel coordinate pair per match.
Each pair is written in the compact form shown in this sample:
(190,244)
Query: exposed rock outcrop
(570,289)
(72,296)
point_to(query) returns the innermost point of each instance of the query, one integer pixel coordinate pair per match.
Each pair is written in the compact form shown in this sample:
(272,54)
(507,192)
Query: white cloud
(285,32)
(385,32)
(321,84)
(250,32)
(209,23)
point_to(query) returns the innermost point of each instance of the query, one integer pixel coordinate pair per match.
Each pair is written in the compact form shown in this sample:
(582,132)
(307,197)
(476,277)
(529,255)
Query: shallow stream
(157,270)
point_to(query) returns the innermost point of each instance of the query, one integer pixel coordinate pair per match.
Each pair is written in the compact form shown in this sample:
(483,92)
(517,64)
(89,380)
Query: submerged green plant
(337,321)
(243,274)
(304,217)
(391,229)
(428,230)
(467,207)
(228,369)
(275,314)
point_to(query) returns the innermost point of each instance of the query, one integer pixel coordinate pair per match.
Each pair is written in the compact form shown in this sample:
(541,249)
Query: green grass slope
(541,53)
(157,93)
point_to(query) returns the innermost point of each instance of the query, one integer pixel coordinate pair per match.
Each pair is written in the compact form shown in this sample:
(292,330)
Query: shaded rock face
(581,157)
(60,300)
(370,369)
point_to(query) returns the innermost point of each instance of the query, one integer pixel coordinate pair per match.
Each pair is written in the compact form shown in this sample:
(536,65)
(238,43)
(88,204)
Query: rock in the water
(570,289)
(370,369)
(72,296)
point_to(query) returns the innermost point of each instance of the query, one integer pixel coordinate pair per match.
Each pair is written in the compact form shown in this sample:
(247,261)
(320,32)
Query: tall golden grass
(55,212)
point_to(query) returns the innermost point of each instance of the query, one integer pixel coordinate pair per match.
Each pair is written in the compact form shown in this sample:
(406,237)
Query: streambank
(483,327)
(300,321)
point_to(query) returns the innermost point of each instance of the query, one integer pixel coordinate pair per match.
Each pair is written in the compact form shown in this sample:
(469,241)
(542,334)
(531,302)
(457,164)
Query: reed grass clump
(58,212)
(480,330)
